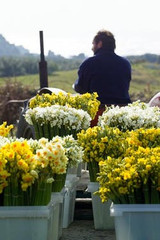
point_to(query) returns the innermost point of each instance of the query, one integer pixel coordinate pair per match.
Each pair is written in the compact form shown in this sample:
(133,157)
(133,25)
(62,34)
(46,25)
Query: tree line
(26,65)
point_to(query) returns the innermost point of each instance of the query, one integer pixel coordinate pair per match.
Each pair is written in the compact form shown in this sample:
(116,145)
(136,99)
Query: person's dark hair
(107,39)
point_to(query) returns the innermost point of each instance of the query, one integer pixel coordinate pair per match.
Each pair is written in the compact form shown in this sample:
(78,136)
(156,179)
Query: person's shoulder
(88,61)
(122,59)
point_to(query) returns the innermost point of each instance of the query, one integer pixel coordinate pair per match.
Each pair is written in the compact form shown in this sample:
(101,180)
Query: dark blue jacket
(107,74)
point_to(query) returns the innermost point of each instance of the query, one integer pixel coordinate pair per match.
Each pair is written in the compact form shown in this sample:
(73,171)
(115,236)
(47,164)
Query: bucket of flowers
(27,172)
(98,143)
(61,114)
(130,117)
(132,182)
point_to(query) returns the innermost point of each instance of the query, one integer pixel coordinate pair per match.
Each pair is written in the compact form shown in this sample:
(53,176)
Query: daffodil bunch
(57,120)
(74,155)
(98,143)
(73,150)
(28,169)
(19,165)
(52,162)
(134,178)
(5,130)
(87,102)
(51,156)
(134,116)
(144,137)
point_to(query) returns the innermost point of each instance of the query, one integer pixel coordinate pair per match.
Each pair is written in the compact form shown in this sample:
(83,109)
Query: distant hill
(8,49)
(11,50)
(148,57)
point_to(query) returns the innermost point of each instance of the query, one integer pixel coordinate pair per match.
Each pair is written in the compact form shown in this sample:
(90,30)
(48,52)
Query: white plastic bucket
(136,221)
(101,211)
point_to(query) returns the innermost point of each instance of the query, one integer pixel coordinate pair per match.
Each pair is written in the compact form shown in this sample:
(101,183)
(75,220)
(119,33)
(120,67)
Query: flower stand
(136,221)
(101,211)
(69,199)
(27,223)
(57,198)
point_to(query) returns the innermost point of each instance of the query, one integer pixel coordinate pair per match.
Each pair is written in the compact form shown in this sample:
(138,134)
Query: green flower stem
(1,199)
(7,201)
(13,195)
(49,132)
(36,129)
(139,196)
(124,199)
(74,133)
(59,182)
(93,168)
(57,131)
(46,131)
(42,193)
(26,201)
(113,198)
(52,132)
(41,131)
(33,191)
(16,197)
(131,198)
(116,195)
(62,131)
(146,191)
(48,192)
(155,199)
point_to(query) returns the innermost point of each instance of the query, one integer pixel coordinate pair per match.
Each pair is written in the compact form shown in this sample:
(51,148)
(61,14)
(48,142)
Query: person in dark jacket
(105,73)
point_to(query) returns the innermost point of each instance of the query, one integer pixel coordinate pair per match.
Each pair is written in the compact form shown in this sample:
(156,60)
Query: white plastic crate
(101,211)
(57,199)
(136,221)
(27,223)
(69,199)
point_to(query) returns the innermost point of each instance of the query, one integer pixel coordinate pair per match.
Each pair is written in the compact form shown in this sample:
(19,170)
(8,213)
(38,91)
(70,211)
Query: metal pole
(43,74)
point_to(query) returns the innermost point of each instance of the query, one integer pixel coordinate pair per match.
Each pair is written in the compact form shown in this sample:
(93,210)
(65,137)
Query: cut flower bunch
(5,130)
(61,114)
(134,177)
(87,102)
(57,120)
(98,143)
(133,116)
(28,168)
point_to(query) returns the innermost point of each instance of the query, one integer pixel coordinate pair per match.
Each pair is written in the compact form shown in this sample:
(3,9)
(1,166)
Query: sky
(69,25)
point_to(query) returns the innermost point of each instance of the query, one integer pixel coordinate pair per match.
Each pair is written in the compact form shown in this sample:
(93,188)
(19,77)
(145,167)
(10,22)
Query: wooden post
(43,73)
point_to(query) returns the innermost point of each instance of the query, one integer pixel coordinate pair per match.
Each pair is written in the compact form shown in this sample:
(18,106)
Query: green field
(62,80)
(145,80)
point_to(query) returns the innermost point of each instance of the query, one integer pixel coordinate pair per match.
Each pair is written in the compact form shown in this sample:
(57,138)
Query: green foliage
(21,66)
(10,91)
(145,81)
(144,84)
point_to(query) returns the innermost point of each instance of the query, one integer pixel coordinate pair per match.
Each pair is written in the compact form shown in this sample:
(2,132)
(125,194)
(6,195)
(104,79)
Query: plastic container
(72,171)
(69,199)
(136,221)
(57,199)
(101,211)
(75,170)
(27,223)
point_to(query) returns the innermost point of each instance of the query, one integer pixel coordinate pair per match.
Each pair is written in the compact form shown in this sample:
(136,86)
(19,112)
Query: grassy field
(145,80)
(62,80)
